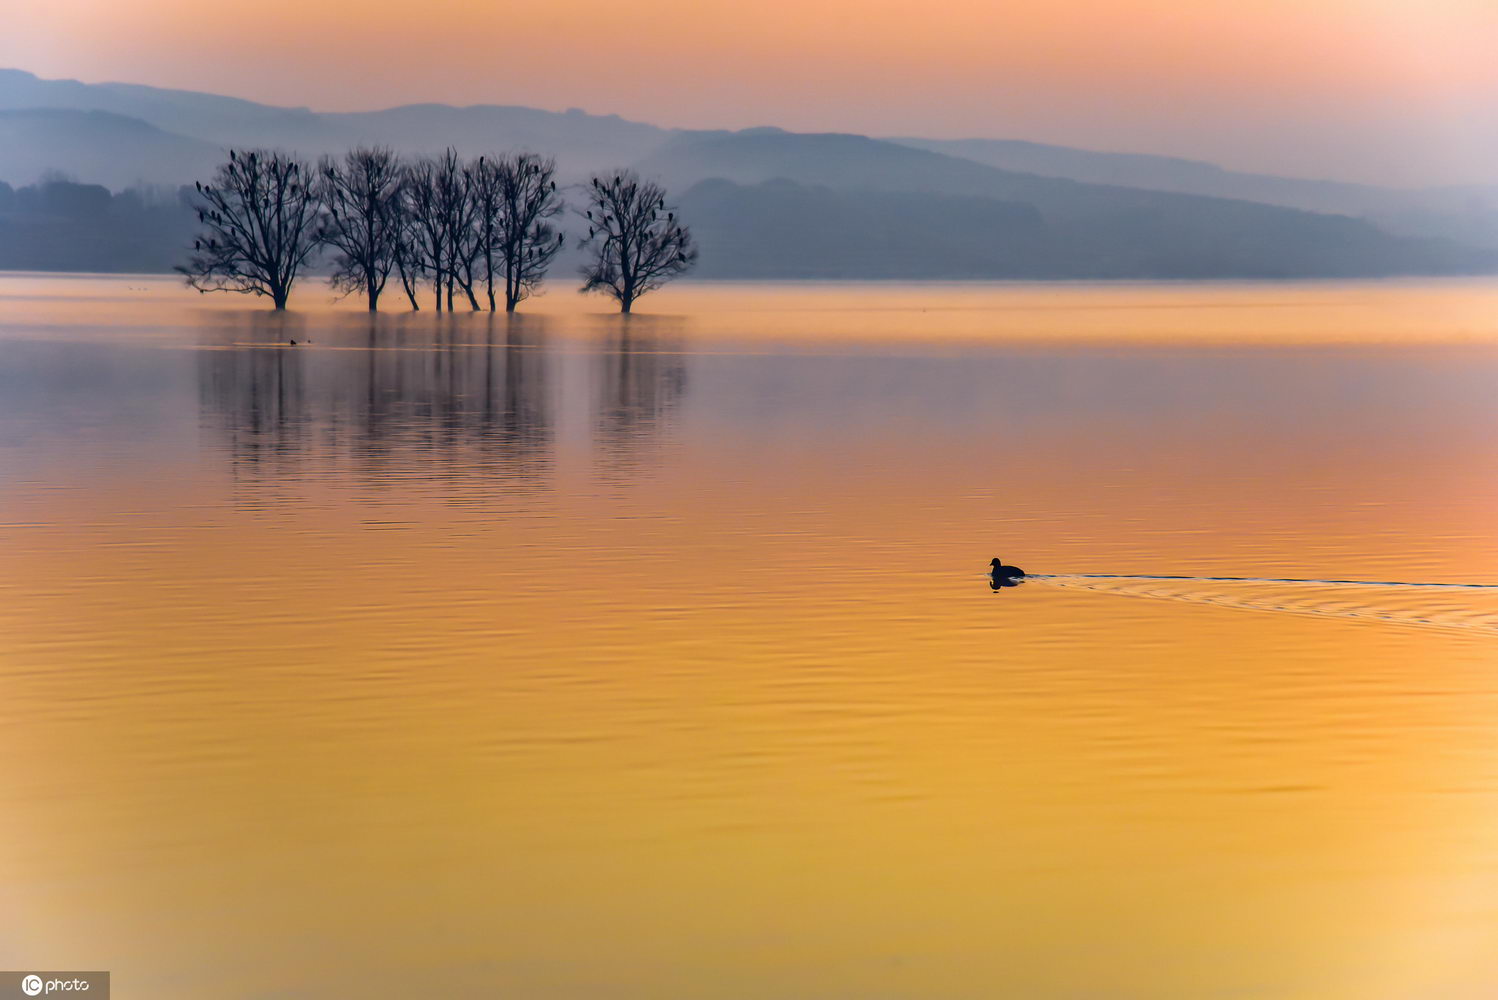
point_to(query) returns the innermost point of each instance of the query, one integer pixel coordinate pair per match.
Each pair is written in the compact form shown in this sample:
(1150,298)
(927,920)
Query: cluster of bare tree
(484,227)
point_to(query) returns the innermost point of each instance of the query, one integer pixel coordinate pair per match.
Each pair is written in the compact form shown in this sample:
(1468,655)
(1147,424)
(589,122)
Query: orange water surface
(578,656)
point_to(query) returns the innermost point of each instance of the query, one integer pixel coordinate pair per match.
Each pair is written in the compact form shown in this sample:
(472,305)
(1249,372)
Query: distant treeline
(60,225)
(465,229)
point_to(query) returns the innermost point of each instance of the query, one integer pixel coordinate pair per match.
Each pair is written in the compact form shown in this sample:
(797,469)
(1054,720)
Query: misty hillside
(1156,173)
(205,116)
(1469,214)
(1091,230)
(124,152)
(581,142)
(855,161)
(770,203)
(62,226)
(783,229)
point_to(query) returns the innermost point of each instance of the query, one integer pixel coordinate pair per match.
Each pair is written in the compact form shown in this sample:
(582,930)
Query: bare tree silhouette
(428,234)
(515,197)
(443,237)
(362,197)
(638,243)
(485,190)
(406,246)
(455,210)
(262,219)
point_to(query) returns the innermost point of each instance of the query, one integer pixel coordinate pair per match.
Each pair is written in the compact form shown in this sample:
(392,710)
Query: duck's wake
(1469,607)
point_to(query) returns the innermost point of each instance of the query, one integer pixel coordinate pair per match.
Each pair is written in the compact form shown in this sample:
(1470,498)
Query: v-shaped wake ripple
(1465,606)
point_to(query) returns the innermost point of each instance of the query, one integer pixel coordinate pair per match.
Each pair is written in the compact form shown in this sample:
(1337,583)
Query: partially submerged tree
(638,244)
(485,190)
(405,247)
(455,210)
(428,234)
(362,197)
(516,197)
(443,236)
(262,220)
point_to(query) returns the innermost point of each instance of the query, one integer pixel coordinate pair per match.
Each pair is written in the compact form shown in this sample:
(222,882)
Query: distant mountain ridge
(580,141)
(131,152)
(886,208)
(1467,213)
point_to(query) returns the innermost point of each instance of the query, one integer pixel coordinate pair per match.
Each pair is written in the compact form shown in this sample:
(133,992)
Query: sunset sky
(1397,91)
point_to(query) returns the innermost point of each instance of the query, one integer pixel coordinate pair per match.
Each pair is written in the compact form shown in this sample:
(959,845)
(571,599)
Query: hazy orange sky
(1383,90)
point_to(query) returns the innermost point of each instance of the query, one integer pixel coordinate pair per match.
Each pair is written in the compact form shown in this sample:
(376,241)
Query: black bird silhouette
(1005,576)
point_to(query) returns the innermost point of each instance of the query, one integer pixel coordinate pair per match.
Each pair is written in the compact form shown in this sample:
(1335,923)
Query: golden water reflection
(571,657)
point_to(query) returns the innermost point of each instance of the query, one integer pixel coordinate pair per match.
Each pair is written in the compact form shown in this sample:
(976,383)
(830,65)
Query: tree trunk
(374,297)
(407,285)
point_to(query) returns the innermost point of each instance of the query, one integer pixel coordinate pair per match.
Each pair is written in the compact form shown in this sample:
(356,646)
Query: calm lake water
(581,657)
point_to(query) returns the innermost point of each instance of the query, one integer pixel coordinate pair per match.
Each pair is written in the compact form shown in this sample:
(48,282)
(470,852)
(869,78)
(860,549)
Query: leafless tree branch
(262,222)
(638,243)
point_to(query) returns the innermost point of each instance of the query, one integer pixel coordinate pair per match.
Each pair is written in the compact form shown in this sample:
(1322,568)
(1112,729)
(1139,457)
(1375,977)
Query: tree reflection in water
(642,379)
(457,401)
(461,404)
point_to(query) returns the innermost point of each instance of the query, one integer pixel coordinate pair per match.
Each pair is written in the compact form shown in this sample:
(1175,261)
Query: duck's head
(996,564)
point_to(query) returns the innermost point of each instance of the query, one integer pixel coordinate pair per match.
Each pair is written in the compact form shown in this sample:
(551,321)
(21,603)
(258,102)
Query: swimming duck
(1006,576)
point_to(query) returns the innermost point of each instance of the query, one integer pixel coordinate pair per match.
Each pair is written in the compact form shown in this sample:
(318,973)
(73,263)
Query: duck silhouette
(1004,576)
